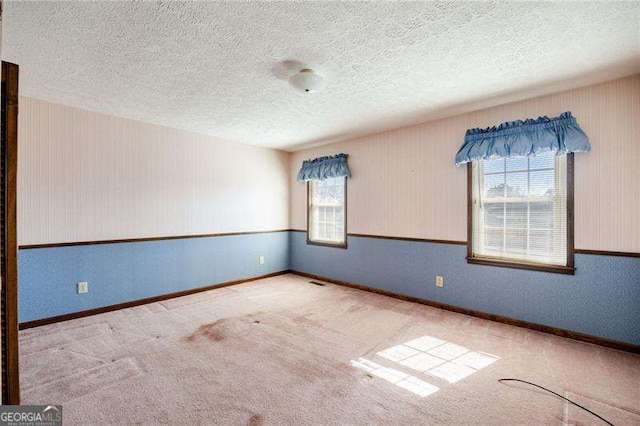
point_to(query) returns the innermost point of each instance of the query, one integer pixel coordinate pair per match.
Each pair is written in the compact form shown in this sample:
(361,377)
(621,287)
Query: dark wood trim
(9,249)
(381,237)
(607,253)
(141,240)
(469,209)
(613,344)
(569,270)
(570,217)
(346,212)
(408,239)
(308,214)
(464,243)
(322,243)
(391,237)
(104,309)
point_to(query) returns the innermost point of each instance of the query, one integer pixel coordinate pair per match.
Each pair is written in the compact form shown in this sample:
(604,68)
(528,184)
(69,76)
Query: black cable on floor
(559,396)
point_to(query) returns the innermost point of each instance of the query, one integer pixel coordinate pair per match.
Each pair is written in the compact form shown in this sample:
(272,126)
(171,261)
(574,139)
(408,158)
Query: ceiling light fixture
(307,81)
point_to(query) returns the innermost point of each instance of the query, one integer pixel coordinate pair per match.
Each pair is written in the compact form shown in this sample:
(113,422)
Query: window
(521,212)
(327,204)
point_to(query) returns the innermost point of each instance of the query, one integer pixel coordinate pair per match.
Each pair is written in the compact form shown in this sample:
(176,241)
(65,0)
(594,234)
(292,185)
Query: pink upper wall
(86,176)
(405,182)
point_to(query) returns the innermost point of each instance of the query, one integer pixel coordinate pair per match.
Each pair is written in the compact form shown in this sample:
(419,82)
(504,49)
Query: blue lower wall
(123,272)
(601,299)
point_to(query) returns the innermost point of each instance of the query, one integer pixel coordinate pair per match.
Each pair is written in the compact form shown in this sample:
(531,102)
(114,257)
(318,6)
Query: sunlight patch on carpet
(398,378)
(398,353)
(428,355)
(438,358)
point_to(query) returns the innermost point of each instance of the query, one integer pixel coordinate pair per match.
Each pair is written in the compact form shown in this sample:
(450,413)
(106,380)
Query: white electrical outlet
(261,260)
(83,287)
(439,281)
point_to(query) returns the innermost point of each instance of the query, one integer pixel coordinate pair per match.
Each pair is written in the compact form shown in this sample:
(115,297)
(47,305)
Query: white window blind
(520,209)
(327,211)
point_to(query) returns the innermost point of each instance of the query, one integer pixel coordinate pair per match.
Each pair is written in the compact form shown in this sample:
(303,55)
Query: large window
(327,204)
(522,212)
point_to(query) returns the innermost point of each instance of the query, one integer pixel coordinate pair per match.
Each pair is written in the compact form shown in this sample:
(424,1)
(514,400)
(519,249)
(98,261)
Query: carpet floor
(284,351)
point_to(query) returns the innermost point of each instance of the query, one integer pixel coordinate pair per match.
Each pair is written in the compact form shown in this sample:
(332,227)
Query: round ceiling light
(307,81)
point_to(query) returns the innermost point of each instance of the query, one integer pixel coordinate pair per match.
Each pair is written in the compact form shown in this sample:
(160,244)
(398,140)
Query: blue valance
(324,168)
(561,135)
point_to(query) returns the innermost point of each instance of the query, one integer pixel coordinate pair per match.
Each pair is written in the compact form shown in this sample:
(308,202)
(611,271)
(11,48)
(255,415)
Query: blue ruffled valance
(324,168)
(561,135)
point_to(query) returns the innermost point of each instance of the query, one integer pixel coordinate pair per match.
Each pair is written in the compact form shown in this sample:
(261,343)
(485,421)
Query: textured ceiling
(221,68)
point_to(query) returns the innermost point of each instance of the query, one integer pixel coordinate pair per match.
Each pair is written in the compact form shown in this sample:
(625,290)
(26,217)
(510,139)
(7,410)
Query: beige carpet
(284,351)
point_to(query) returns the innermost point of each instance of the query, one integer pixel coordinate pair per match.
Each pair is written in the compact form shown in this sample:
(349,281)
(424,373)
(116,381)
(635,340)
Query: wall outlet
(261,260)
(83,287)
(439,281)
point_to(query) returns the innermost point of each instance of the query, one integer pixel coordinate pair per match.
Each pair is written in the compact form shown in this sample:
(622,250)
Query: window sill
(567,270)
(327,244)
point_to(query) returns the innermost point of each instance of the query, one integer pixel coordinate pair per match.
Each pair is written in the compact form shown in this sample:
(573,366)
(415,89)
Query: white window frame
(339,243)
(515,260)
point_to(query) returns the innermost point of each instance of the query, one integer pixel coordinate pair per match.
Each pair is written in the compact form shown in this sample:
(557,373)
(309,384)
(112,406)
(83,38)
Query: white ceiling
(221,68)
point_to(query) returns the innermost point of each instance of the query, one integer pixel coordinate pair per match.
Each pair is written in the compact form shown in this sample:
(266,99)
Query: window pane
(542,161)
(329,232)
(519,163)
(494,239)
(494,215)
(313,219)
(516,241)
(339,215)
(322,231)
(494,186)
(541,242)
(494,166)
(542,183)
(516,215)
(516,185)
(333,195)
(326,221)
(520,216)
(541,215)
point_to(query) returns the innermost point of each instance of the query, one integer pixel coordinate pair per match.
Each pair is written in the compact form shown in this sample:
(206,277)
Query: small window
(327,205)
(522,212)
